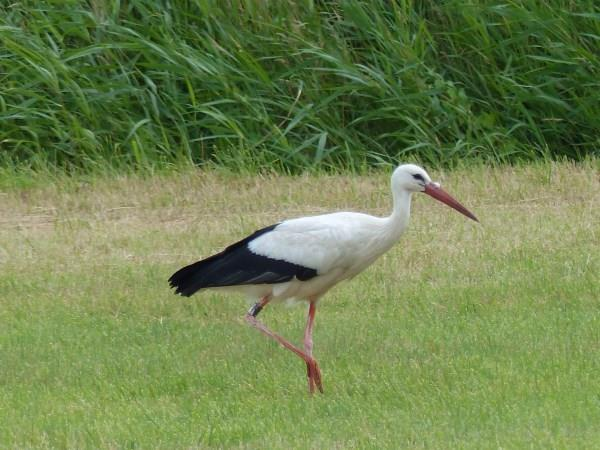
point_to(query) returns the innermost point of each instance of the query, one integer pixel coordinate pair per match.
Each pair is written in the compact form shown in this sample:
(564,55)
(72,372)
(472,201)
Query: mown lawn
(463,336)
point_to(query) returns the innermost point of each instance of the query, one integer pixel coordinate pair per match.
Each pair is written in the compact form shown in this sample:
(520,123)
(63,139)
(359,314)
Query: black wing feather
(237,265)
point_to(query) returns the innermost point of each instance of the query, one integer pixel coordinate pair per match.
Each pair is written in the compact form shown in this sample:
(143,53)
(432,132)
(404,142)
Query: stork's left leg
(312,368)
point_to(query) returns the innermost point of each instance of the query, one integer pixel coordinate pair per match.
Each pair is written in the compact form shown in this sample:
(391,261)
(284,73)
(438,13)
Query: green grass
(462,336)
(290,86)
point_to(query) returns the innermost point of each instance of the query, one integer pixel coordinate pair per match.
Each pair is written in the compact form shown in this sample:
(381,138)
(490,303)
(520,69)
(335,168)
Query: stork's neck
(398,220)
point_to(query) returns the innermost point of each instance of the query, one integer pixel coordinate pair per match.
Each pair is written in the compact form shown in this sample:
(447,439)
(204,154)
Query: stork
(303,258)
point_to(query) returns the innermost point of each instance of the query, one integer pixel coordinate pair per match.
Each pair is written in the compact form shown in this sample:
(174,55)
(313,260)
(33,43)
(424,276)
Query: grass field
(462,336)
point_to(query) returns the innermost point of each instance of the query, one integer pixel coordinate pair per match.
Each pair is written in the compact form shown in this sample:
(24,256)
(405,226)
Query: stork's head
(412,178)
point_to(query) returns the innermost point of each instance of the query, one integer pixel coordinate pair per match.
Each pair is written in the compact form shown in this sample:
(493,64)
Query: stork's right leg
(308,359)
(312,368)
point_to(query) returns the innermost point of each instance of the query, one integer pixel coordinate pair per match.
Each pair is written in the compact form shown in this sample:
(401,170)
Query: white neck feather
(398,220)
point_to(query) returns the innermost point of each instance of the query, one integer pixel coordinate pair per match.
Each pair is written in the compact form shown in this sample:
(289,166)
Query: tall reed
(295,85)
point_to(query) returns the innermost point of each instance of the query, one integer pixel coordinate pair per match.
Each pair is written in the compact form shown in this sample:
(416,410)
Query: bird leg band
(257,307)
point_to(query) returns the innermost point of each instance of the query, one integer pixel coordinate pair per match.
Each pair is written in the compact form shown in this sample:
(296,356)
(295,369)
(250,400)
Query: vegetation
(293,85)
(462,336)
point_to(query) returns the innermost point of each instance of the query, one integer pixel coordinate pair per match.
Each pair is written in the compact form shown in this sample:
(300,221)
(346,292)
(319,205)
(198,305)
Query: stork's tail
(188,280)
(237,265)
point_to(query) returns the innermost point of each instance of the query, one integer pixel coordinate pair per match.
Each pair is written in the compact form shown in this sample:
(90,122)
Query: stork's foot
(314,376)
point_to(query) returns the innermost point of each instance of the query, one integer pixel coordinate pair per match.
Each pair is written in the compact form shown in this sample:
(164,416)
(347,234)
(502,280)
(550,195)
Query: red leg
(311,364)
(312,368)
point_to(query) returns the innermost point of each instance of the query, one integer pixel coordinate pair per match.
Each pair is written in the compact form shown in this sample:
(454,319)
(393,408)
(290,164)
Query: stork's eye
(418,176)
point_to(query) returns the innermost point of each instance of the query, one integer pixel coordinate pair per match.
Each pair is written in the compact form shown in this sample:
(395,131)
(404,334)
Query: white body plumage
(338,246)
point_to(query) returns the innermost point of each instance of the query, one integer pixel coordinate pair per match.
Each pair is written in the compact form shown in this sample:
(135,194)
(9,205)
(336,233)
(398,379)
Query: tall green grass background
(294,85)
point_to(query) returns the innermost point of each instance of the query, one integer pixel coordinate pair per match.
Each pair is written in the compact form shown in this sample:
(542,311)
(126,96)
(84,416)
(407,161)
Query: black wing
(237,265)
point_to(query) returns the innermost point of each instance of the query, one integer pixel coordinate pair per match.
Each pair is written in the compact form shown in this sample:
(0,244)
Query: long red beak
(438,193)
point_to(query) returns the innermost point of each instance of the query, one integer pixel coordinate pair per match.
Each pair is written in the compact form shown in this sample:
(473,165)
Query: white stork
(303,258)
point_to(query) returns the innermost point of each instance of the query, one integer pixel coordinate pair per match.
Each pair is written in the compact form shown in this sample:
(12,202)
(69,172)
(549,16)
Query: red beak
(438,193)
